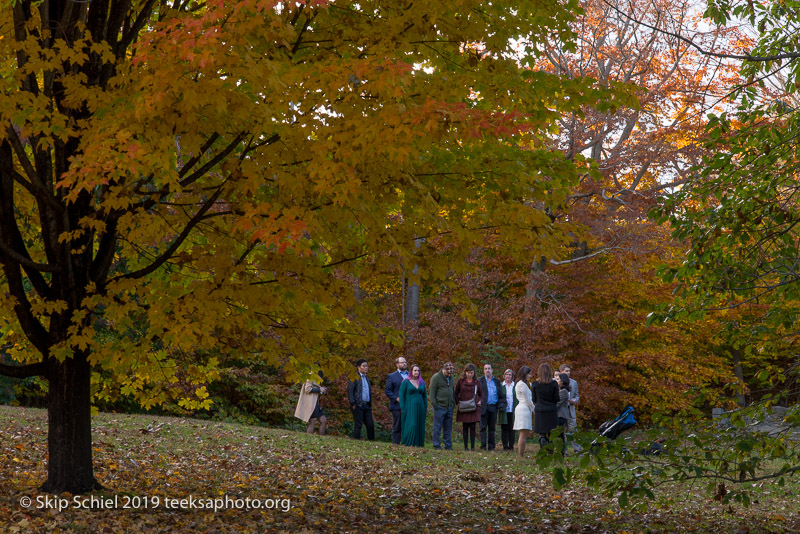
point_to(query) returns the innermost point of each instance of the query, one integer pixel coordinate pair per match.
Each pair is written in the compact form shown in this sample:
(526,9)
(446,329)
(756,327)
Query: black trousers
(489,422)
(507,432)
(468,432)
(362,415)
(397,429)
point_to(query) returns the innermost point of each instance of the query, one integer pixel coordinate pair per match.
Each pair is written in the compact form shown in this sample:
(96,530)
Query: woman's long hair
(564,377)
(411,372)
(545,374)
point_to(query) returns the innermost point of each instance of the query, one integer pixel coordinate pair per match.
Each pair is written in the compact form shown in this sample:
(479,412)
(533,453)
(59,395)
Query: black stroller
(613,428)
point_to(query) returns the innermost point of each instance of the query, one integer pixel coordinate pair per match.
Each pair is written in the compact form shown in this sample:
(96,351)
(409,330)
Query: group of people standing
(544,405)
(517,403)
(549,403)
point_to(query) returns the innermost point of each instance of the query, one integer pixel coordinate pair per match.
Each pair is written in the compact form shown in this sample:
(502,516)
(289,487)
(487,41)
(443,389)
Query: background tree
(590,293)
(647,148)
(739,210)
(641,152)
(592,289)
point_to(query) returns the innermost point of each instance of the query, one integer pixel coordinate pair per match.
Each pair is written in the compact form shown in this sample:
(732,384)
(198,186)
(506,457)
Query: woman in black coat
(545,399)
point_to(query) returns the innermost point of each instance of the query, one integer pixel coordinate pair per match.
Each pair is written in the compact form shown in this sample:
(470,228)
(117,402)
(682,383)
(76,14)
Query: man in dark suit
(492,403)
(359,392)
(392,390)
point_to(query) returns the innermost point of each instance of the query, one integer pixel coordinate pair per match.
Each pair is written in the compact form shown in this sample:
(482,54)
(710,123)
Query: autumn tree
(647,148)
(205,179)
(641,152)
(591,291)
(739,210)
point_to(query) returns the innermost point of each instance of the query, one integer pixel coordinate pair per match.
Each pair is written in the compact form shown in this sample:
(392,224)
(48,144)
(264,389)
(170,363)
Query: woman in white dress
(523,413)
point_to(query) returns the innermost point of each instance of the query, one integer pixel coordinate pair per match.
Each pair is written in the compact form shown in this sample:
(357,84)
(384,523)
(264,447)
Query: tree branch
(603,250)
(128,37)
(25,261)
(194,159)
(23,371)
(690,42)
(161,193)
(167,254)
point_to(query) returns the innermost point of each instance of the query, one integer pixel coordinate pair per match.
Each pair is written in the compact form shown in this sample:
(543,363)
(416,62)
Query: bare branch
(554,302)
(690,42)
(604,250)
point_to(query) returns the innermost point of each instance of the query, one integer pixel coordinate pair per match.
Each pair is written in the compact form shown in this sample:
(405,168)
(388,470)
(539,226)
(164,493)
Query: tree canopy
(739,211)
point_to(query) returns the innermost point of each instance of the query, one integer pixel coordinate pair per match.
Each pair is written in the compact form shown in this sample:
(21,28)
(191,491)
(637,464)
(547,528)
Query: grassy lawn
(327,484)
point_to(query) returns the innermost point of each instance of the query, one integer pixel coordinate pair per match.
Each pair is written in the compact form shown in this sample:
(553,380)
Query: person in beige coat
(309,409)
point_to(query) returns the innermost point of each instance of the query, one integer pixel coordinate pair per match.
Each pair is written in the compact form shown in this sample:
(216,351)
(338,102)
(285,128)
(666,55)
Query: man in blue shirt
(493,403)
(359,392)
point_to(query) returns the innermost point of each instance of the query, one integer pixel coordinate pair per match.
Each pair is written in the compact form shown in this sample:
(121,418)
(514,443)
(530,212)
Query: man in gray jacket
(572,422)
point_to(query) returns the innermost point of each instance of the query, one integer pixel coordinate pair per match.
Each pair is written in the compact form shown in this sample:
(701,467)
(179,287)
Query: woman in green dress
(413,408)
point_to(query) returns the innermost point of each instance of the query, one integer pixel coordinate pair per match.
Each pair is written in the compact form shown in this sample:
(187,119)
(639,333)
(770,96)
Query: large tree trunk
(538,266)
(69,443)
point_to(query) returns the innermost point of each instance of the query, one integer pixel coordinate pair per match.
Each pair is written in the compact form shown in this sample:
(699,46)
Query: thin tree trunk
(412,292)
(69,464)
(737,370)
(403,298)
(412,302)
